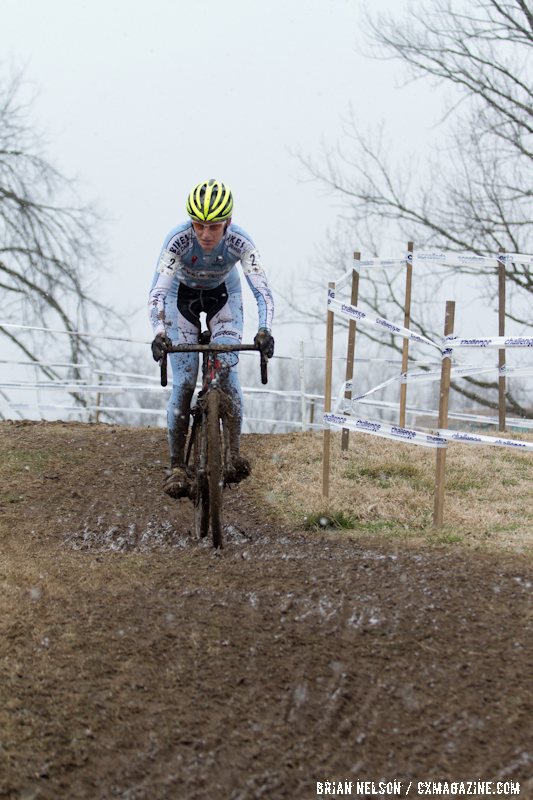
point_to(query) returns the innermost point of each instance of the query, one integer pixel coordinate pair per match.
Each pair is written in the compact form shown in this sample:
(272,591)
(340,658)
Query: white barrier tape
(490,341)
(86,334)
(118,339)
(140,375)
(382,262)
(154,378)
(357,314)
(437,257)
(155,412)
(420,377)
(515,370)
(391,362)
(104,388)
(348,387)
(85,409)
(384,430)
(455,372)
(343,281)
(477,438)
(292,423)
(47,364)
(513,422)
(80,387)
(452,259)
(465,372)
(519,258)
(439,438)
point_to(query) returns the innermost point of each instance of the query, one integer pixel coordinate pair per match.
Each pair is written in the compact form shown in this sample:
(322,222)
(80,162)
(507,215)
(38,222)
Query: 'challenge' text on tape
(384,429)
(358,315)
(489,341)
(477,438)
(439,438)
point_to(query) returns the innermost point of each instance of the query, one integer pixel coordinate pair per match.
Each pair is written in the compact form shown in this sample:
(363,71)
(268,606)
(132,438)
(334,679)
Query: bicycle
(208,440)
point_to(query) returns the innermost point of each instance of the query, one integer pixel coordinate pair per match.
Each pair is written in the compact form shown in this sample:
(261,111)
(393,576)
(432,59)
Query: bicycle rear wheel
(214,466)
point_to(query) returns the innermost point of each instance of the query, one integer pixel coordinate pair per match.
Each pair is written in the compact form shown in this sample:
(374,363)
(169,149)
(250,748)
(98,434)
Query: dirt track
(136,663)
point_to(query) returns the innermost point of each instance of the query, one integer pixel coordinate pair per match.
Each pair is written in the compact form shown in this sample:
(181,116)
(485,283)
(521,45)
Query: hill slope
(137,663)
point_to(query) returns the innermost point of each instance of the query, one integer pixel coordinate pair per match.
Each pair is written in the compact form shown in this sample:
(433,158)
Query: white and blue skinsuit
(189,281)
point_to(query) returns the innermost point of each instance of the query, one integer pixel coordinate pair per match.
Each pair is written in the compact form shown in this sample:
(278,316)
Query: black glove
(160,345)
(265,342)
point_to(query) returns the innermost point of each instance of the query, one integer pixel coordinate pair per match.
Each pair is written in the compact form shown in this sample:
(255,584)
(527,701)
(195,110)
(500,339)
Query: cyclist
(196,272)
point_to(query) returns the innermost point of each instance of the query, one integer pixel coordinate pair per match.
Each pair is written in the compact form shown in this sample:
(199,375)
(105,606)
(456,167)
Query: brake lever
(163,367)
(264,368)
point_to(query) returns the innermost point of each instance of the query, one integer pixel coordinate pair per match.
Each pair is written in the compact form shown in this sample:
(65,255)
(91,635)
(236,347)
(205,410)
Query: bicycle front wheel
(214,466)
(201,490)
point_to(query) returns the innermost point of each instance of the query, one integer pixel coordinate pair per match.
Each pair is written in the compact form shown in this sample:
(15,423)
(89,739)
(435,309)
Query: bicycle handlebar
(212,348)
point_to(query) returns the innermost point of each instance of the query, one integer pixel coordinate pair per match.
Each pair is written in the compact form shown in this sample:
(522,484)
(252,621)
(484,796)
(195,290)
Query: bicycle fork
(198,439)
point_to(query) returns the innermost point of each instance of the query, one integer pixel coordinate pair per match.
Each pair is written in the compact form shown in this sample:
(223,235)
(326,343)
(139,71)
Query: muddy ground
(137,663)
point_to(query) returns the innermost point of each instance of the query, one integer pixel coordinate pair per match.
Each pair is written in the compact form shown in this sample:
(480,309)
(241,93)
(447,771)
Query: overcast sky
(142,100)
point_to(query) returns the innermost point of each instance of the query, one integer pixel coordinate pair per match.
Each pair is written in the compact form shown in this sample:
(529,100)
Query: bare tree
(477,193)
(48,244)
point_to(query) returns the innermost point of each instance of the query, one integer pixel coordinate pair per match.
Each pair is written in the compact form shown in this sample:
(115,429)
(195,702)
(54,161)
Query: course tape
(436,257)
(477,438)
(382,263)
(512,422)
(161,412)
(345,279)
(358,315)
(383,429)
(86,334)
(449,343)
(117,388)
(347,386)
(432,376)
(518,258)
(451,259)
(489,341)
(438,438)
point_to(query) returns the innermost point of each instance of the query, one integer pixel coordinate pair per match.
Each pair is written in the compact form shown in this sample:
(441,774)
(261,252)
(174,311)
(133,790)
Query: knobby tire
(201,495)
(214,466)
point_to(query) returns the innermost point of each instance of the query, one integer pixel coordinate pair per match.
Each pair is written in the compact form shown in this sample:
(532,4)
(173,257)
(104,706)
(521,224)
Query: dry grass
(386,488)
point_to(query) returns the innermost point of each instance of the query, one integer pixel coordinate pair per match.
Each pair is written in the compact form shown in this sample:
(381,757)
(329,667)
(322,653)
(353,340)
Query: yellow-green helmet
(210,201)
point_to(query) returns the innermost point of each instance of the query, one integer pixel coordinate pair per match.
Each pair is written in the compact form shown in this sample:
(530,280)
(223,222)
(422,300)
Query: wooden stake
(350,353)
(406,324)
(98,400)
(501,332)
(303,402)
(327,397)
(443,418)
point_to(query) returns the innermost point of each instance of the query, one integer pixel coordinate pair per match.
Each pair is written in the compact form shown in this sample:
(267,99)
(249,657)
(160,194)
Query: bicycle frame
(210,434)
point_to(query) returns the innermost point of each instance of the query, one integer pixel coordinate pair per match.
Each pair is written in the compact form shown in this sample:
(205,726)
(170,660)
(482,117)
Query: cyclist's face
(209,234)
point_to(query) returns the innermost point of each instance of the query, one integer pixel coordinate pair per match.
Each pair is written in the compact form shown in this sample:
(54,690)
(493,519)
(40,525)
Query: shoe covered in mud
(240,470)
(177,484)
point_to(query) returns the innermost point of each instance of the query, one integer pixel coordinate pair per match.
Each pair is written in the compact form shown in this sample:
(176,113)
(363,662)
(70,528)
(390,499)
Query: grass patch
(448,538)
(19,460)
(11,498)
(382,487)
(387,474)
(341,521)
(384,471)
(326,520)
(462,484)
